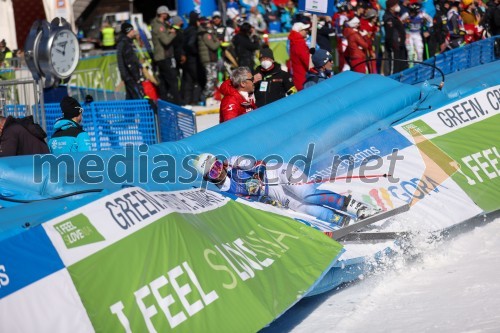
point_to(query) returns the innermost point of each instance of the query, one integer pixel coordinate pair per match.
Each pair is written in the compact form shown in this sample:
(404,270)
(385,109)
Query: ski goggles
(215,170)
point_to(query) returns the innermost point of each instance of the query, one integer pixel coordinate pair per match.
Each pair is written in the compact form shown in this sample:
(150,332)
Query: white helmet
(204,162)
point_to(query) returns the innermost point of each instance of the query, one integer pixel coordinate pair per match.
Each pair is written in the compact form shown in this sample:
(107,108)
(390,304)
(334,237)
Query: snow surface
(447,286)
(452,286)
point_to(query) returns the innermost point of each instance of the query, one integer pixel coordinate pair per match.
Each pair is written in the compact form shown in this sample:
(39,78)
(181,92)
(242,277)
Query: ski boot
(358,209)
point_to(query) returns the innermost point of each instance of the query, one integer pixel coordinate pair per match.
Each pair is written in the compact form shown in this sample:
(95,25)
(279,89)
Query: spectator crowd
(195,55)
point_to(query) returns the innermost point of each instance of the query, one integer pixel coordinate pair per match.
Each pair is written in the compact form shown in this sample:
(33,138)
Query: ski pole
(326,180)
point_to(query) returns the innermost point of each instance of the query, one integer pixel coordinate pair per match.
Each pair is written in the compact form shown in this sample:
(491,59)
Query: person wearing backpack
(69,135)
(21,137)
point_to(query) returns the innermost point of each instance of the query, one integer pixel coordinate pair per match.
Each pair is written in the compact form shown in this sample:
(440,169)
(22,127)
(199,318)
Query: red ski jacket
(299,57)
(233,104)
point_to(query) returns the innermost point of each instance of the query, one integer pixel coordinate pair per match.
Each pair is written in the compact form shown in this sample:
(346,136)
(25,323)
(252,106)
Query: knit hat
(162,10)
(70,107)
(126,27)
(391,3)
(321,57)
(354,22)
(299,26)
(266,53)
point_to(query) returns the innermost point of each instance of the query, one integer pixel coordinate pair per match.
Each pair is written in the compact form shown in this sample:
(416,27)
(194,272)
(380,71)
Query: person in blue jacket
(322,70)
(279,184)
(69,135)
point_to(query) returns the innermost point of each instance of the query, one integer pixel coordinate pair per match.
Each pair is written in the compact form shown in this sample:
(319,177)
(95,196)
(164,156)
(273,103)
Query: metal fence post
(97,137)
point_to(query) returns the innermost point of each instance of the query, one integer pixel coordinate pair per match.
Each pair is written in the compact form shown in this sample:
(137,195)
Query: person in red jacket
(357,47)
(369,23)
(238,94)
(299,53)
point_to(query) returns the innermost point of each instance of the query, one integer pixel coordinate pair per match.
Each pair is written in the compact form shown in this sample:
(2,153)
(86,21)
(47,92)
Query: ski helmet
(203,162)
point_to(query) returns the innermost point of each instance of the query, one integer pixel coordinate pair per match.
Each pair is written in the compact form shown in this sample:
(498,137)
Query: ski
(362,237)
(337,234)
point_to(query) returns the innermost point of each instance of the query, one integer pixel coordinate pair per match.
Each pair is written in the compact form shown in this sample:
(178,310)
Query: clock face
(64,53)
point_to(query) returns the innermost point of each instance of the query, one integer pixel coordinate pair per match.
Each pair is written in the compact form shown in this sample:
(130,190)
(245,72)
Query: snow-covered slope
(452,287)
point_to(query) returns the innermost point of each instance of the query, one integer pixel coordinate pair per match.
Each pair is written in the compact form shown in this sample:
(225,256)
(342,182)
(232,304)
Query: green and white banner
(187,261)
(467,131)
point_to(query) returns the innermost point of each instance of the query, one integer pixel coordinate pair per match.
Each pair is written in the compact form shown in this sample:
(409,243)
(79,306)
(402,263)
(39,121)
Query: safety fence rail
(115,124)
(80,93)
(175,122)
(470,55)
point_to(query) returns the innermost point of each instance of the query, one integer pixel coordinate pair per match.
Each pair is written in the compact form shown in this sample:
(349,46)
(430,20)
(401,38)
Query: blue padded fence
(471,55)
(111,124)
(119,123)
(175,122)
(114,124)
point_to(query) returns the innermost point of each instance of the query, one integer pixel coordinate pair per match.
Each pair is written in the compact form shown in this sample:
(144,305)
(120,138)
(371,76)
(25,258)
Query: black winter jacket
(275,84)
(128,63)
(22,137)
(395,34)
(245,47)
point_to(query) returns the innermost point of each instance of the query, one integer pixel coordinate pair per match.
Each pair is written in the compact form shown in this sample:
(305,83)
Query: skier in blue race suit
(278,184)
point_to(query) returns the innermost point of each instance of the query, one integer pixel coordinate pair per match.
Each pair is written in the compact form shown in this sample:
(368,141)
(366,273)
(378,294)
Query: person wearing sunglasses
(279,184)
(322,70)
(69,135)
(238,93)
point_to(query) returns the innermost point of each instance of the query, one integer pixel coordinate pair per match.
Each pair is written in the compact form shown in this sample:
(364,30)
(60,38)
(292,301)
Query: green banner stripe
(475,148)
(226,270)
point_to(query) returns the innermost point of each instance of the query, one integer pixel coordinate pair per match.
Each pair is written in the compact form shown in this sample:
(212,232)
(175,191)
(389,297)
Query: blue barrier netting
(471,55)
(175,122)
(112,124)
(115,124)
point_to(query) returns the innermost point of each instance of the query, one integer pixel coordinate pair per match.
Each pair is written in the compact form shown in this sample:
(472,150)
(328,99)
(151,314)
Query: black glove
(267,200)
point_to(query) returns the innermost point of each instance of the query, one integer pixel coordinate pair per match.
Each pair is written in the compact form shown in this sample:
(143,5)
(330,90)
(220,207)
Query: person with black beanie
(69,135)
(275,83)
(128,63)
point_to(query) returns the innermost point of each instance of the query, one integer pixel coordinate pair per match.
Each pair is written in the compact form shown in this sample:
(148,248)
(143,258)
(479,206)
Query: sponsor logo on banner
(455,115)
(458,140)
(105,221)
(420,126)
(406,190)
(185,272)
(78,231)
(329,165)
(475,150)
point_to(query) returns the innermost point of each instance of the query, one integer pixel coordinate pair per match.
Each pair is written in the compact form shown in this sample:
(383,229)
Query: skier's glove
(267,200)
(253,186)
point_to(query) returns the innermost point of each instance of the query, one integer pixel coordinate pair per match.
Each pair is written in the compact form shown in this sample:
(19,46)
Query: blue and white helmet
(203,162)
